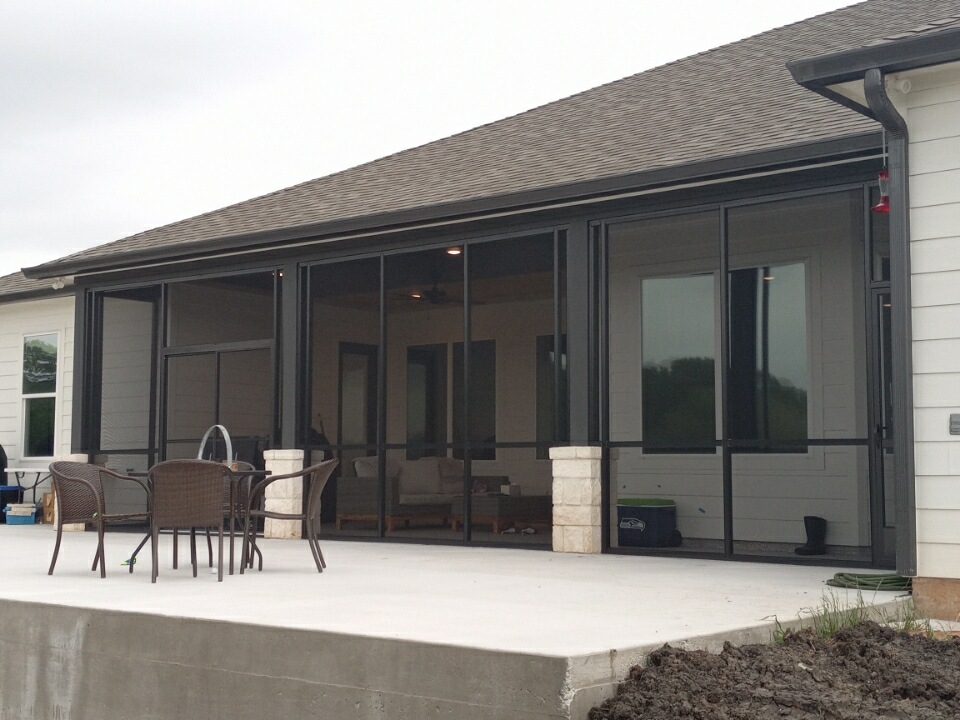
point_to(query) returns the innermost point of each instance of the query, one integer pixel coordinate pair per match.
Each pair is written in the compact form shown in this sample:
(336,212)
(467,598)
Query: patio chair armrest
(120,476)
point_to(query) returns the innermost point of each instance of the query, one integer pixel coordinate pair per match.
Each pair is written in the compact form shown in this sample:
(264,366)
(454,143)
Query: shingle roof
(16,285)
(932,26)
(730,101)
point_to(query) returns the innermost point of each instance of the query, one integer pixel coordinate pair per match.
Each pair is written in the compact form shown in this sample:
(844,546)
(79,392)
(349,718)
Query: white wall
(932,111)
(514,326)
(34,317)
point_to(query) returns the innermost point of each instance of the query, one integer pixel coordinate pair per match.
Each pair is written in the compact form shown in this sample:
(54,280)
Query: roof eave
(41,294)
(464,211)
(893,56)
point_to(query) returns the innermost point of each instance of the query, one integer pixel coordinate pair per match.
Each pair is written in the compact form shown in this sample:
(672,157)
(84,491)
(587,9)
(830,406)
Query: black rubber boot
(816,528)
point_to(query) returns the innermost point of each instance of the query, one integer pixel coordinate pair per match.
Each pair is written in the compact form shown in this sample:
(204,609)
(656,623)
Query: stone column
(576,499)
(284,496)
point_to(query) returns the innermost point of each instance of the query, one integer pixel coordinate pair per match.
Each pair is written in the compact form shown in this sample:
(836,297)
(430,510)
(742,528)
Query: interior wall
(514,327)
(127,361)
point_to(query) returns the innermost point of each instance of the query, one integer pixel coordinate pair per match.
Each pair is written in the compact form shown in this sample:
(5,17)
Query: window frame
(26,397)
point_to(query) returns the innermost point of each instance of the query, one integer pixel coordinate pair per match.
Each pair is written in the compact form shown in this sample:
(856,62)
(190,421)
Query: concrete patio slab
(388,630)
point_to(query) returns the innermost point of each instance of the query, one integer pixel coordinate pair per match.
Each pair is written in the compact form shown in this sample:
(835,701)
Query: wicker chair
(78,489)
(236,492)
(315,478)
(187,494)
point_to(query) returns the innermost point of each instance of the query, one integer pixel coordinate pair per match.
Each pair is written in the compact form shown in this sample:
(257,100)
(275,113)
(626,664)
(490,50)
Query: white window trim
(24,397)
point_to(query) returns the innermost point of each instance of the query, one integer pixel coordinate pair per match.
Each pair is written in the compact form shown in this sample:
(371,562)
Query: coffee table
(502,511)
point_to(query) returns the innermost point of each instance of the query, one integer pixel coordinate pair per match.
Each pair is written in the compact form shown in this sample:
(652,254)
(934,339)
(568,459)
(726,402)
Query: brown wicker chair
(78,489)
(187,494)
(236,491)
(315,478)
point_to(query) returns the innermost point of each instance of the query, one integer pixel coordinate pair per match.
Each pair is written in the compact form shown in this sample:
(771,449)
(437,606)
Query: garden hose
(869,581)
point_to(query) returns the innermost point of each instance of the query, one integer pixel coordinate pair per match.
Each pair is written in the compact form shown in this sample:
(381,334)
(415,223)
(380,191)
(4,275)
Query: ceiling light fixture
(454,251)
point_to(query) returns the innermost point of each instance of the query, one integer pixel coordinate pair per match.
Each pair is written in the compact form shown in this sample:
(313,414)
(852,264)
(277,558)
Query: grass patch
(836,613)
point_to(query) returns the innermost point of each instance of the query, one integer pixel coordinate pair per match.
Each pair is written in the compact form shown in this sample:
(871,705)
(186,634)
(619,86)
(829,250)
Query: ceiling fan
(433,295)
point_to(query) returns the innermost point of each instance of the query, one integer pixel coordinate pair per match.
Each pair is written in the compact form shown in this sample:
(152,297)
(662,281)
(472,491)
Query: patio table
(236,517)
(19,473)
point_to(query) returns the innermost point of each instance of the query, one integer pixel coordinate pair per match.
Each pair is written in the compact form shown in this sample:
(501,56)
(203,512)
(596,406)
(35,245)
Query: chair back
(317,477)
(187,493)
(78,490)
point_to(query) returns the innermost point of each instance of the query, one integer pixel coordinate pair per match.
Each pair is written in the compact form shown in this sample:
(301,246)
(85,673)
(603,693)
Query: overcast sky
(118,116)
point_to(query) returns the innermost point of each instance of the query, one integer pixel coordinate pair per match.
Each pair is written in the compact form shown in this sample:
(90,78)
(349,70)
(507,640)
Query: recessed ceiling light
(454,251)
(415,296)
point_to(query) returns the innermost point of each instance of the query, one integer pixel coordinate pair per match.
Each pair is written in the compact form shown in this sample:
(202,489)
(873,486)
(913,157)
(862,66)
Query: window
(768,356)
(767,364)
(678,382)
(39,394)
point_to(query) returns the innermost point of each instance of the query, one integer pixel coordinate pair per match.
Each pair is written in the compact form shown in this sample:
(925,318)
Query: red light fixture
(883,207)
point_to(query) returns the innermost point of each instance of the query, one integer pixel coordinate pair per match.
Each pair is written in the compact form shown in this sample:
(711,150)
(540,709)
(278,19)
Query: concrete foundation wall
(78,664)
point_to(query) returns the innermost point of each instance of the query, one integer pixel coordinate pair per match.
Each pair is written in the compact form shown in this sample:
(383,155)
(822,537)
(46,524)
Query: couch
(424,490)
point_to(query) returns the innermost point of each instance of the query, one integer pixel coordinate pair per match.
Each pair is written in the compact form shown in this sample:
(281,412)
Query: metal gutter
(781,159)
(902,337)
(932,47)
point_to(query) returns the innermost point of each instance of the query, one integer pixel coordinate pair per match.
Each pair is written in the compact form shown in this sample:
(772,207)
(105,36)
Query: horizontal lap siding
(933,115)
(34,317)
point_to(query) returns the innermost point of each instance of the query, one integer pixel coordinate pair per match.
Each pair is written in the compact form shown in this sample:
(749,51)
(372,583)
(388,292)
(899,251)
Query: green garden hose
(869,581)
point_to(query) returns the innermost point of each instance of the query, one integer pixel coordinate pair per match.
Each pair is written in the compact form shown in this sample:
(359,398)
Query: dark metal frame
(560,235)
(725,444)
(586,281)
(89,334)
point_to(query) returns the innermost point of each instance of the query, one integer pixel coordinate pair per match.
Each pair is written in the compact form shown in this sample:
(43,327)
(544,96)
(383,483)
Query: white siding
(33,317)
(932,111)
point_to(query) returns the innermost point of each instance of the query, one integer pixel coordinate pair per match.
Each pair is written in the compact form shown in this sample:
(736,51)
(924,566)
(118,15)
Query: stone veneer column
(576,499)
(284,496)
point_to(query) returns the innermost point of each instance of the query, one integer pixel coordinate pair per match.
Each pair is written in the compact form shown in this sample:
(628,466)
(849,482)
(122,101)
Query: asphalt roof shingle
(730,101)
(16,284)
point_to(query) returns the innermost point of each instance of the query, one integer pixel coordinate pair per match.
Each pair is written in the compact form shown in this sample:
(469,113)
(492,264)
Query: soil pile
(866,672)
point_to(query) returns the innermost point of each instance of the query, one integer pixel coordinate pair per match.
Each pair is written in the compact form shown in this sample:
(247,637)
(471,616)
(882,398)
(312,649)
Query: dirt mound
(866,672)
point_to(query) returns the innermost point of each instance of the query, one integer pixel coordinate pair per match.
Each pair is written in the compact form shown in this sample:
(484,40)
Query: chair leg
(193,550)
(220,553)
(133,557)
(56,548)
(153,551)
(100,551)
(232,523)
(244,547)
(175,533)
(209,550)
(314,548)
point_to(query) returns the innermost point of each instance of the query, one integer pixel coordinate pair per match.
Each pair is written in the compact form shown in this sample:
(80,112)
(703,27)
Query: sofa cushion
(368,467)
(450,468)
(419,477)
(424,499)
